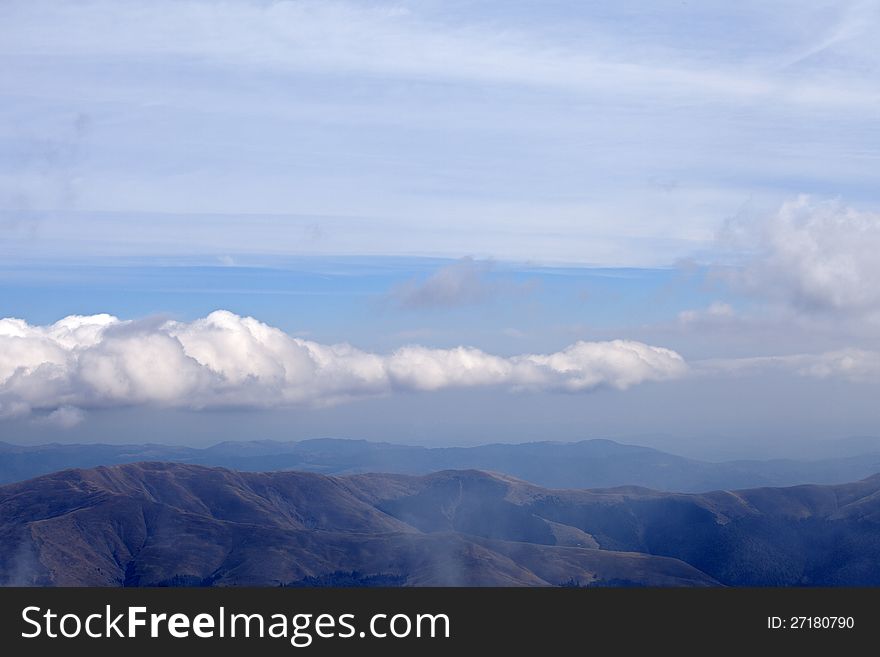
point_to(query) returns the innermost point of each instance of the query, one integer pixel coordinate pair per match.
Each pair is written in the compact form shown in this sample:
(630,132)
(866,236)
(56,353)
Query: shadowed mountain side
(586,464)
(161,523)
(156,524)
(804,535)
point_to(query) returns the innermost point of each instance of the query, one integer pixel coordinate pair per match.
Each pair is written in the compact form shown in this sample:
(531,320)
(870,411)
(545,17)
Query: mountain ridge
(155,523)
(583,464)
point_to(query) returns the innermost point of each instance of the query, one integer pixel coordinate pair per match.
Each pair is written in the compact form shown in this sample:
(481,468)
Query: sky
(440,222)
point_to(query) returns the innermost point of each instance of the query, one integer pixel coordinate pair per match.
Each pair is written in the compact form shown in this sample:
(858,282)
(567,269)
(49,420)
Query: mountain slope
(585,464)
(804,535)
(171,524)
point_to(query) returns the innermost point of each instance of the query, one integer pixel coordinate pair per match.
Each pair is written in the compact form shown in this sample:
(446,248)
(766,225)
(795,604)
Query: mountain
(585,464)
(18,462)
(171,524)
(153,524)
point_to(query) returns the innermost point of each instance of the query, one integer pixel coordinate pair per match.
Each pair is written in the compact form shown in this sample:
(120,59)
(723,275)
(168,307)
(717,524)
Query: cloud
(380,39)
(224,360)
(850,364)
(512,332)
(717,310)
(858,365)
(583,135)
(12,409)
(461,283)
(65,417)
(816,256)
(465,282)
(50,165)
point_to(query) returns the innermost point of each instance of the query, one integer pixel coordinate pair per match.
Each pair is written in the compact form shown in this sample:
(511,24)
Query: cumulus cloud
(814,255)
(224,360)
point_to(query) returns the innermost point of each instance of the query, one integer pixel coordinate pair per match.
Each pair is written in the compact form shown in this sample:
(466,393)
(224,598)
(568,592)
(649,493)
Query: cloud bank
(224,360)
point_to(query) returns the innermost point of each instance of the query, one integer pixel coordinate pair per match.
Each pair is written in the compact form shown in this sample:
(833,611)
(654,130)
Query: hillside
(173,524)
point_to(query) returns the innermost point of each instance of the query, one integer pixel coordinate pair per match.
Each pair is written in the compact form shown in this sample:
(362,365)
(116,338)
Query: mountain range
(585,464)
(172,524)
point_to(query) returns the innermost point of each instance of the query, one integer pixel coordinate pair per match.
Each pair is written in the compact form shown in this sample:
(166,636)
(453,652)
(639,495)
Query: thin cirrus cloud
(224,360)
(546,132)
(384,38)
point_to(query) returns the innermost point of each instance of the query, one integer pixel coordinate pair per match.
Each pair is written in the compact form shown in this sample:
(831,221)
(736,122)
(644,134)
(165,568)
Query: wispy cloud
(573,133)
(385,39)
(462,283)
(855,365)
(717,310)
(65,417)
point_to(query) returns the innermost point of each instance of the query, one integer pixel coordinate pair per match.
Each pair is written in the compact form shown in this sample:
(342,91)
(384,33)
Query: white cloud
(717,310)
(573,133)
(225,360)
(65,417)
(380,39)
(858,365)
(814,256)
(855,365)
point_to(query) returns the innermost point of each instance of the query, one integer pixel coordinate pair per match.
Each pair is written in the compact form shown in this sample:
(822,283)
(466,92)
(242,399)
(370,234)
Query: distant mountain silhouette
(586,464)
(155,524)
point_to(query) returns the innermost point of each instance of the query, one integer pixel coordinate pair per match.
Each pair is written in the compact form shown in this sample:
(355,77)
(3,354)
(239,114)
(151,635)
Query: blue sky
(325,297)
(513,177)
